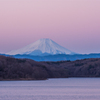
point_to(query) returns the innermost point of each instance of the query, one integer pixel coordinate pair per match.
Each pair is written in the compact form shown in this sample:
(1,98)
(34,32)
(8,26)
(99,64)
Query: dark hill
(26,69)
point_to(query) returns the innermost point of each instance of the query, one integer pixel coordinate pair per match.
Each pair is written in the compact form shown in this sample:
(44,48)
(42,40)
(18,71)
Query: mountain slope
(26,69)
(40,47)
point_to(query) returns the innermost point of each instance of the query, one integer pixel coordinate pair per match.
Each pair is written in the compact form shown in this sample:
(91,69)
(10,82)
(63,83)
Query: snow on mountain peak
(40,47)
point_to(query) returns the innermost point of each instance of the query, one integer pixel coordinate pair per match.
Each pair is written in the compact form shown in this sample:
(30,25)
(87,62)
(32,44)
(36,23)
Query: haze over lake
(52,89)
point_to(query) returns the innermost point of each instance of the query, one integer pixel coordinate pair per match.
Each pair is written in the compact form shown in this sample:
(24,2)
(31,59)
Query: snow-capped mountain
(40,47)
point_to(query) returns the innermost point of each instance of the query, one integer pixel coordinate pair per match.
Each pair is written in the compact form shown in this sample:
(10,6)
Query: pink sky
(74,24)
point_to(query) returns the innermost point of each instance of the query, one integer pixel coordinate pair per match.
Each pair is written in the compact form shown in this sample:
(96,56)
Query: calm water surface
(52,89)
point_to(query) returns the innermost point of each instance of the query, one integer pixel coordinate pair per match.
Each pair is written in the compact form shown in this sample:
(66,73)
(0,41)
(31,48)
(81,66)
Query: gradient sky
(74,24)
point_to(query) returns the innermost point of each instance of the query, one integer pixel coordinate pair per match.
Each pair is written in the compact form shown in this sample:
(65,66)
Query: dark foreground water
(52,89)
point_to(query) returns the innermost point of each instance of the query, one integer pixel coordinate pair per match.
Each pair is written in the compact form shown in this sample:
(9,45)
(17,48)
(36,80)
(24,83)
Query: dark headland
(26,69)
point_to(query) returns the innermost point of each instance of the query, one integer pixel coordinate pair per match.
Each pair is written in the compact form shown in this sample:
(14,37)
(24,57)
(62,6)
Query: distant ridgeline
(27,69)
(59,57)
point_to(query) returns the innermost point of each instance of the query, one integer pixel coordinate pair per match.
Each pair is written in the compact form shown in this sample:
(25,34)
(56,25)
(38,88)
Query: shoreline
(41,79)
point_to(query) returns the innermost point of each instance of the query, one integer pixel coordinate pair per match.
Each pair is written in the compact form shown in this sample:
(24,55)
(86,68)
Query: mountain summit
(42,47)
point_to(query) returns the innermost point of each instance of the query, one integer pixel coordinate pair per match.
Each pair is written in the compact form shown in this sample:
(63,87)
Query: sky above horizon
(74,24)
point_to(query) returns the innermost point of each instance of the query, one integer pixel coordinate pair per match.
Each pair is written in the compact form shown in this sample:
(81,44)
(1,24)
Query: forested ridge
(26,69)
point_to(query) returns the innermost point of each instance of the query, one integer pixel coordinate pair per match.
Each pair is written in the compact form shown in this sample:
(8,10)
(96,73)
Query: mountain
(42,47)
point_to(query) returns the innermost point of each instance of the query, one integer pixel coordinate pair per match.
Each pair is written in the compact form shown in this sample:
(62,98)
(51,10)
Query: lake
(52,89)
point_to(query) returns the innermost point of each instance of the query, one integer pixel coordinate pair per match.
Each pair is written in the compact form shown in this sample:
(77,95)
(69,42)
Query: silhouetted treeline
(26,69)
